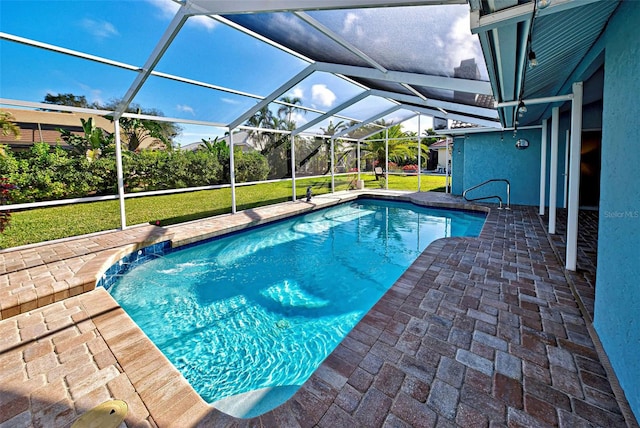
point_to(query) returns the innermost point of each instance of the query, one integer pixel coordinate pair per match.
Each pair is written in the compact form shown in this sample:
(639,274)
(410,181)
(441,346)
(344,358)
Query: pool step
(35,276)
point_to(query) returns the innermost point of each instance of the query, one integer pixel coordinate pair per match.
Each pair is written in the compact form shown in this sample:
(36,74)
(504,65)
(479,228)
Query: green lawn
(44,224)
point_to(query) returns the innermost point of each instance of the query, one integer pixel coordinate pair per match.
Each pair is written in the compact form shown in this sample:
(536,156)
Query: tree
(400,147)
(94,143)
(430,137)
(69,100)
(8,127)
(219,149)
(262,119)
(134,131)
(286,111)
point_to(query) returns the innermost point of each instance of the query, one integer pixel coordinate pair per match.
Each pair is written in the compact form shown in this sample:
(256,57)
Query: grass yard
(45,224)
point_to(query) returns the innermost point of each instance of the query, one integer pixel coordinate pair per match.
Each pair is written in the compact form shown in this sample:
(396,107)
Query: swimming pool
(256,312)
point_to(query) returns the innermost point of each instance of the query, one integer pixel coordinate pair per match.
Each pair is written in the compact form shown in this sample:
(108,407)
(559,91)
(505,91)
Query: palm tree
(400,149)
(286,110)
(8,127)
(262,119)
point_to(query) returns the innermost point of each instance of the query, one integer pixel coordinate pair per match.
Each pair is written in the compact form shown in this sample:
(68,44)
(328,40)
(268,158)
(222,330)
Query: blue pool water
(264,307)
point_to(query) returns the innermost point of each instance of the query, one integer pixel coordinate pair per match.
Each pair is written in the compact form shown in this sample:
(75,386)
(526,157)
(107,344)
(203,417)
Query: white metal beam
(386,159)
(260,37)
(490,61)
(71,52)
(574,178)
(437,104)
(232,172)
(431,112)
(505,41)
(120,175)
(339,40)
(228,7)
(532,101)
(543,167)
(462,131)
(553,169)
(170,33)
(513,15)
(369,120)
(275,94)
(439,82)
(332,112)
(566,168)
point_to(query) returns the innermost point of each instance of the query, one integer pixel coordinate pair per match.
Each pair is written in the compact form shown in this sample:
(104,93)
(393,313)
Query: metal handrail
(464,194)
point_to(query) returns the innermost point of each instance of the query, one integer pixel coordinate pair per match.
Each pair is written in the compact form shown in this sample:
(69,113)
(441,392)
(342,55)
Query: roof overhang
(564,37)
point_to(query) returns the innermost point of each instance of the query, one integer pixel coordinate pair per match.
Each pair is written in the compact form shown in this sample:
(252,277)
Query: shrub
(250,166)
(410,168)
(5,199)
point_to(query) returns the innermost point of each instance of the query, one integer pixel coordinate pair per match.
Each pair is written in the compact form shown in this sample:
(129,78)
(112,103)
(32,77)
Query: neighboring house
(440,148)
(36,126)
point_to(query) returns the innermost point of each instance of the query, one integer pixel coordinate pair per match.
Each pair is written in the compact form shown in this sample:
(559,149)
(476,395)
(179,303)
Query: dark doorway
(590,164)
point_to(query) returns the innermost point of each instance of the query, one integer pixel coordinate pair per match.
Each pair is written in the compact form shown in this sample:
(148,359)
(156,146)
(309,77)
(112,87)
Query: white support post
(566,169)
(333,177)
(293,168)
(543,167)
(232,173)
(446,167)
(574,178)
(419,153)
(386,158)
(553,169)
(359,160)
(123,216)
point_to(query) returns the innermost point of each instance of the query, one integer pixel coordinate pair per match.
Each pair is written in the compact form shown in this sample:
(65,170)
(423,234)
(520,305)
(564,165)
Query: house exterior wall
(442,157)
(617,305)
(480,157)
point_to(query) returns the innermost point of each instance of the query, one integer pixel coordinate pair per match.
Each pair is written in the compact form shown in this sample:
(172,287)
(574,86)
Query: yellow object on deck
(109,414)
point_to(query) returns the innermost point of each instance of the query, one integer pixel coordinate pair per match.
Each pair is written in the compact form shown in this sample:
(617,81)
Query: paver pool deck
(485,331)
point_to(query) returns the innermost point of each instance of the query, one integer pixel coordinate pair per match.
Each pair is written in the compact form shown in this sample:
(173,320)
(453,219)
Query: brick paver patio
(477,332)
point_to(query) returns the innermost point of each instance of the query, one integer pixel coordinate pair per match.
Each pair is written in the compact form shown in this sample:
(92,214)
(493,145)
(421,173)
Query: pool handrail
(508,207)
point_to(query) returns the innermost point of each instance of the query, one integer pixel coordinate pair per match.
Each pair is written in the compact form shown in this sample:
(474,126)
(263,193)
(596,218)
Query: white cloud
(186,109)
(202,22)
(349,22)
(168,9)
(93,95)
(230,101)
(297,92)
(99,29)
(298,119)
(322,95)
(462,44)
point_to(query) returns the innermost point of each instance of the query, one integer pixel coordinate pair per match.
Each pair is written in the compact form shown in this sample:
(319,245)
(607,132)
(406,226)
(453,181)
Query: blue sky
(127,31)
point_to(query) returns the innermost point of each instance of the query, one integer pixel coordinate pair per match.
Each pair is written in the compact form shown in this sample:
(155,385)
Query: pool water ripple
(263,308)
